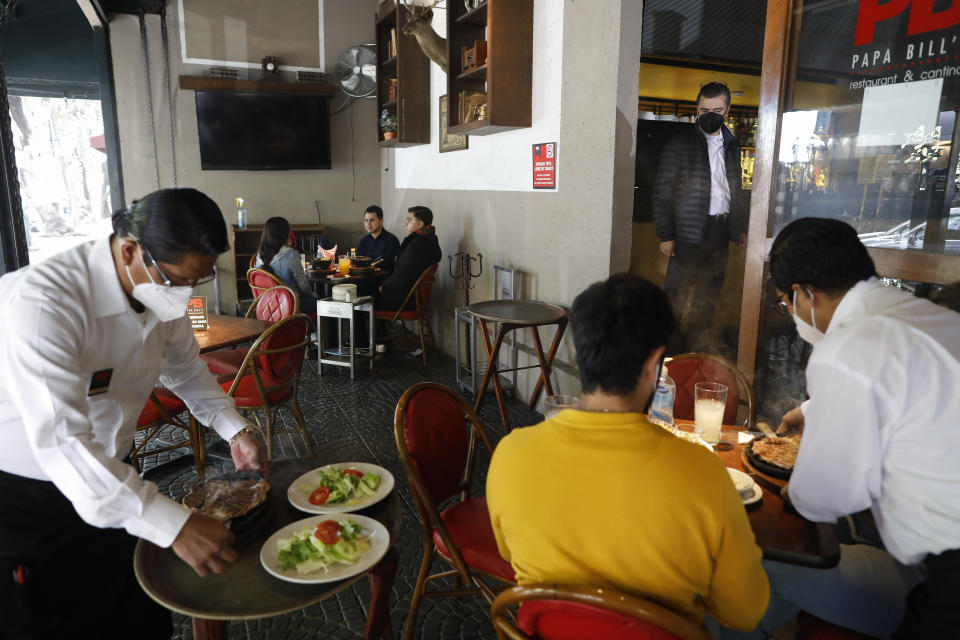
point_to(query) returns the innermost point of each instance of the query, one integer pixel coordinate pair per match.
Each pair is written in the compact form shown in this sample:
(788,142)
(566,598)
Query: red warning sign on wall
(545,165)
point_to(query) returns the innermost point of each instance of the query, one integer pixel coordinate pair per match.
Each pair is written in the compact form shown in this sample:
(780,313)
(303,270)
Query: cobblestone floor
(337,408)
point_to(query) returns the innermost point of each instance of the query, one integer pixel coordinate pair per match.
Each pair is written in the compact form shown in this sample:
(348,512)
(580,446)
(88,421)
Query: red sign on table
(197,311)
(545,165)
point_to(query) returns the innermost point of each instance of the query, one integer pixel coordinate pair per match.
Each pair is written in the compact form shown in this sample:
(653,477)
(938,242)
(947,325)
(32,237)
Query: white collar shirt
(62,320)
(882,429)
(719,187)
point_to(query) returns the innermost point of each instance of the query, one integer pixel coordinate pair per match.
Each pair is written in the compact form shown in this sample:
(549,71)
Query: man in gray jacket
(699,207)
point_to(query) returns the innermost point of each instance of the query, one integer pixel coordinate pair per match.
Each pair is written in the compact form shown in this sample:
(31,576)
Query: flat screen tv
(263,131)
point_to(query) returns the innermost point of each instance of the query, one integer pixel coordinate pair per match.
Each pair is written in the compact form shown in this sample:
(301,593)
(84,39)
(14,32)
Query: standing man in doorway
(378,243)
(699,207)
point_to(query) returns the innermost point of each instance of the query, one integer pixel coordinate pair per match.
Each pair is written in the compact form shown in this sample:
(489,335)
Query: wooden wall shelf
(507,76)
(196,83)
(399,58)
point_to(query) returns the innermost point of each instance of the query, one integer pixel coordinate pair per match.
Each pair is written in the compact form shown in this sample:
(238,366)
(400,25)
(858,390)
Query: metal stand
(463,274)
(344,356)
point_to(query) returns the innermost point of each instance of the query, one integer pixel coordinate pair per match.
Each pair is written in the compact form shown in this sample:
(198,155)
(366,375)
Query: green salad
(330,543)
(341,486)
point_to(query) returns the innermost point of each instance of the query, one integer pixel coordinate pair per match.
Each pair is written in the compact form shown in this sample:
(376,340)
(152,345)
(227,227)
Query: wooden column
(775,74)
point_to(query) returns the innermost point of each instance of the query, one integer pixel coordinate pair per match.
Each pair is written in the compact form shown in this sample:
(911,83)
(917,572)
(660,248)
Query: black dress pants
(695,277)
(933,606)
(62,578)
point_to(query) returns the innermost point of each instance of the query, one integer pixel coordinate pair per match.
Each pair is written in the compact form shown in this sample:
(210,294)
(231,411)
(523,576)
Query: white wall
(562,240)
(344,191)
(501,162)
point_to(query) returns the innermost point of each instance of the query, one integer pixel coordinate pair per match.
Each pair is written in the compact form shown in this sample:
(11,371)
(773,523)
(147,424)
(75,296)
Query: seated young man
(880,432)
(600,496)
(419,250)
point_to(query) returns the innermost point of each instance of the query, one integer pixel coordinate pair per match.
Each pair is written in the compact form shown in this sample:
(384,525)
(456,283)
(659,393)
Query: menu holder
(197,312)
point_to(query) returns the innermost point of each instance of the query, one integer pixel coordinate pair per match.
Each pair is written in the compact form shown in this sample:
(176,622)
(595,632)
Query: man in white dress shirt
(84,337)
(699,206)
(880,432)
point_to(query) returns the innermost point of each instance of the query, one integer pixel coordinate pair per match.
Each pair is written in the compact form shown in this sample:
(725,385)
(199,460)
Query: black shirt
(384,246)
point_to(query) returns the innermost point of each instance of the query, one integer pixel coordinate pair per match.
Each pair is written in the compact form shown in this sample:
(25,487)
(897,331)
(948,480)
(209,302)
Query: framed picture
(448,141)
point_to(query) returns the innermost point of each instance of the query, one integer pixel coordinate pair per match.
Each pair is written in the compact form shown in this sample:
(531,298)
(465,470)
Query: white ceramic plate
(742,480)
(379,543)
(300,498)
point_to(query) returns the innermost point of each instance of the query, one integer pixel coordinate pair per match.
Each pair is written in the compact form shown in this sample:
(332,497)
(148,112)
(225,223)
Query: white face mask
(167,303)
(808,332)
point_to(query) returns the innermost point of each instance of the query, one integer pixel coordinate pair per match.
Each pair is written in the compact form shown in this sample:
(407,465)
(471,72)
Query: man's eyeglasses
(167,282)
(781,306)
(410,219)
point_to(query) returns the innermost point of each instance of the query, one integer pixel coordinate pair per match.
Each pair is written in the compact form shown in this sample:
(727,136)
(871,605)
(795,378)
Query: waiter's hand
(249,452)
(792,422)
(742,240)
(785,496)
(668,248)
(205,545)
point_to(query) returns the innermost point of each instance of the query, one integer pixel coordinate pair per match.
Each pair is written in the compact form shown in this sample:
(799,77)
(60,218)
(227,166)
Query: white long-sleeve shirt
(61,321)
(719,187)
(883,421)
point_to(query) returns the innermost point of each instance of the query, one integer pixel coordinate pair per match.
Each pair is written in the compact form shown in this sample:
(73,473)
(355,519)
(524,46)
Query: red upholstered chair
(437,435)
(260,280)
(160,410)
(687,369)
(269,375)
(809,627)
(420,292)
(573,612)
(271,306)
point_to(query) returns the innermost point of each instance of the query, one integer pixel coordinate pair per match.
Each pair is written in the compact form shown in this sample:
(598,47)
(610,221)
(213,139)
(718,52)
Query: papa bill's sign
(905,40)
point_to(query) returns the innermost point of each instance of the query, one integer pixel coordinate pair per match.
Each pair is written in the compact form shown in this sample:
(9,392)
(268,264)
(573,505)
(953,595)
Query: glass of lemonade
(709,404)
(344,265)
(552,405)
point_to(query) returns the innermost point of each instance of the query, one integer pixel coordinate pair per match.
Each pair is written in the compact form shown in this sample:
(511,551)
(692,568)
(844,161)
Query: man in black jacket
(419,250)
(699,207)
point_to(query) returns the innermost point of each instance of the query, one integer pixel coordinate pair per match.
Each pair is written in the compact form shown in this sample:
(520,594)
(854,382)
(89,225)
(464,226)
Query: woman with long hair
(277,256)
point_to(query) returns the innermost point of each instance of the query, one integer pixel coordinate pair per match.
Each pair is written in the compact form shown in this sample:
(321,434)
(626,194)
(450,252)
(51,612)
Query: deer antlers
(413,12)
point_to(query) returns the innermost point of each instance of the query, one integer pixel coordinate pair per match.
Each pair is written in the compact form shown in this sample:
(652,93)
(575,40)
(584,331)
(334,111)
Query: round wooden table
(245,590)
(509,316)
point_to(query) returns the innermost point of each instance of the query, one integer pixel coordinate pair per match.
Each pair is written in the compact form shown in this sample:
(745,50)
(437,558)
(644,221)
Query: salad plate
(371,532)
(299,491)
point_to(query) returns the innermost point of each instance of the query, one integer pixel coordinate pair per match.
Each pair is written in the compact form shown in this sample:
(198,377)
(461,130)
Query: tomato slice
(320,496)
(353,472)
(328,531)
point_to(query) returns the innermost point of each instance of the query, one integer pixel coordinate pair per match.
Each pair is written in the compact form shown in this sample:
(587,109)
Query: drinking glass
(710,400)
(553,405)
(344,265)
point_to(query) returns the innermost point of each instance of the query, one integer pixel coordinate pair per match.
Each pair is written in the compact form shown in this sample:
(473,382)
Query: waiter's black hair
(617,324)
(713,90)
(374,209)
(422,214)
(821,252)
(173,222)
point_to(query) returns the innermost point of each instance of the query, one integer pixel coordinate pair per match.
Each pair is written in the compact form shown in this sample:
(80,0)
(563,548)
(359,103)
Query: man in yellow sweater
(599,496)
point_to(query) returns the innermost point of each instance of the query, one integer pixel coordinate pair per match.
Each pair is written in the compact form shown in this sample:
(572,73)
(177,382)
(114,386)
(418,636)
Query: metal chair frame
(193,428)
(746,398)
(291,403)
(423,322)
(600,598)
(429,513)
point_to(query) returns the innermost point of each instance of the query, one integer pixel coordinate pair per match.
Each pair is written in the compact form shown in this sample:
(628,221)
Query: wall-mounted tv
(263,131)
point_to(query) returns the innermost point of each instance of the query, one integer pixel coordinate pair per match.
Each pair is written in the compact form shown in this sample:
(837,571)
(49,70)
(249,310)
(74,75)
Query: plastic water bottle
(661,410)
(241,214)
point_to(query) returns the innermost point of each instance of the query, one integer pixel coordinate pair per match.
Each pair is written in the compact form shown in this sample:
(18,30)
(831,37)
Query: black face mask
(710,122)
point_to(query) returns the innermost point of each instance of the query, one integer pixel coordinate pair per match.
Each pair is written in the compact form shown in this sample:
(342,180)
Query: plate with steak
(774,456)
(227,496)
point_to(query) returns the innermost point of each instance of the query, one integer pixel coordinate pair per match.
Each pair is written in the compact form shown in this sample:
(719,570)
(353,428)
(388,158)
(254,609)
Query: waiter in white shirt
(84,337)
(699,206)
(880,432)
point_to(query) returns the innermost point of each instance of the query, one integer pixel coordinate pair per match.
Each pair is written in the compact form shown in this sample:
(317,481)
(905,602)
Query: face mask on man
(808,332)
(167,303)
(710,122)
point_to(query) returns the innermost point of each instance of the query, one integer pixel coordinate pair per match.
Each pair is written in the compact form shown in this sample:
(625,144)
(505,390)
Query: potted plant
(388,124)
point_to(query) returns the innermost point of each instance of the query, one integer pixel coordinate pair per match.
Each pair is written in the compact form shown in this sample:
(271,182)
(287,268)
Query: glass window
(870,124)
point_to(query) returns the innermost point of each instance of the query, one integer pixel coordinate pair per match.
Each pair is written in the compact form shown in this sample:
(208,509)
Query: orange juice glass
(344,265)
